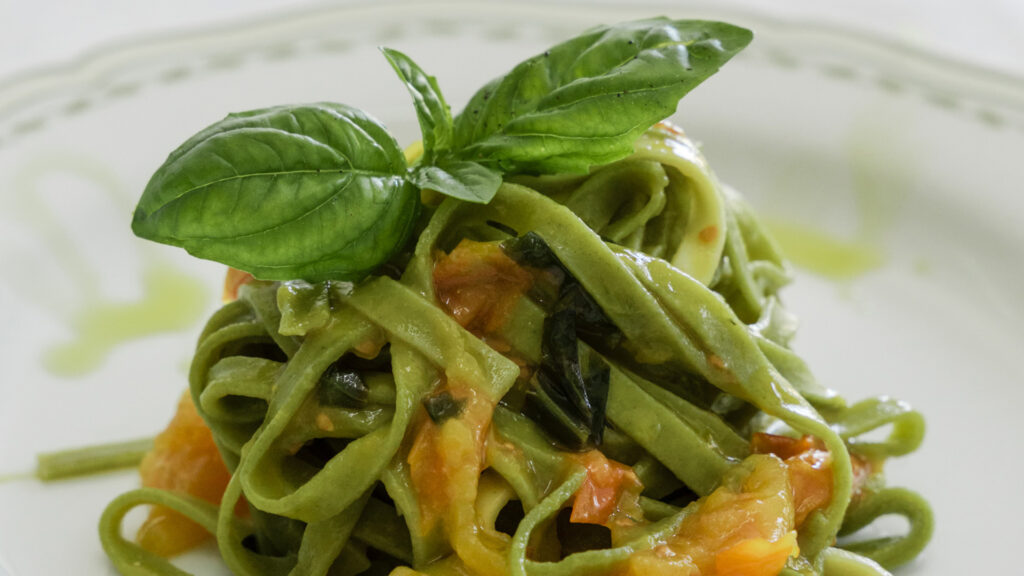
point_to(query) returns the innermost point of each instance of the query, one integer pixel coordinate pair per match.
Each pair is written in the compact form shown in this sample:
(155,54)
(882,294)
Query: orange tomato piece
(445,460)
(478,284)
(743,528)
(427,474)
(184,459)
(755,557)
(863,469)
(784,447)
(234,280)
(809,466)
(610,492)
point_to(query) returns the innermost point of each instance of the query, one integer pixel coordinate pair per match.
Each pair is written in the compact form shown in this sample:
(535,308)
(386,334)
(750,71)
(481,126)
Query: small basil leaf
(561,354)
(598,381)
(433,113)
(464,180)
(546,404)
(530,250)
(442,406)
(314,192)
(343,387)
(585,101)
(592,324)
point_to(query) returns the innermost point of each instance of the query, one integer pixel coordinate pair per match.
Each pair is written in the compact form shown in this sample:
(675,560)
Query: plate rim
(94,65)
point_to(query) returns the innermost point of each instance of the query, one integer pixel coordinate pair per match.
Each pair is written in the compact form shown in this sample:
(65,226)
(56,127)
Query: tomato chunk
(234,280)
(610,493)
(743,528)
(809,466)
(478,284)
(755,557)
(184,459)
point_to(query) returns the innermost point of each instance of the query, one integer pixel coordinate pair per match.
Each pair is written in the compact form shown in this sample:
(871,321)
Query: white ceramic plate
(901,168)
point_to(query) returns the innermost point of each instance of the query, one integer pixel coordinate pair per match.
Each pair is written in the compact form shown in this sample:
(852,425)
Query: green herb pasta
(567,359)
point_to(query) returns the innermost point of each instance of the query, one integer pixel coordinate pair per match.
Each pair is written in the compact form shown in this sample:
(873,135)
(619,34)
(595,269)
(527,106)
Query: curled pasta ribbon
(866,416)
(263,407)
(663,200)
(890,551)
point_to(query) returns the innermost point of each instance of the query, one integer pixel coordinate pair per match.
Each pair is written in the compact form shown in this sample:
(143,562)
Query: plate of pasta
(324,295)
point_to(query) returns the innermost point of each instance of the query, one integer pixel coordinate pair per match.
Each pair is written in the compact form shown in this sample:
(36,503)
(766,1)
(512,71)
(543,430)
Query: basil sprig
(438,170)
(323,191)
(586,100)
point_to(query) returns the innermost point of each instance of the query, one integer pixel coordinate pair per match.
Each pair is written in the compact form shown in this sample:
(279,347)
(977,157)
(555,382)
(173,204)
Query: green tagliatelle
(695,358)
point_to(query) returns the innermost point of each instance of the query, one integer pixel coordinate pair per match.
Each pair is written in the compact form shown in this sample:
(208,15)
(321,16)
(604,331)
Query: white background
(51,32)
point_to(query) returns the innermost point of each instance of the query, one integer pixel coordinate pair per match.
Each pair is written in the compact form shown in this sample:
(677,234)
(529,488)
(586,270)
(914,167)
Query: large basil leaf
(314,192)
(431,110)
(585,101)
